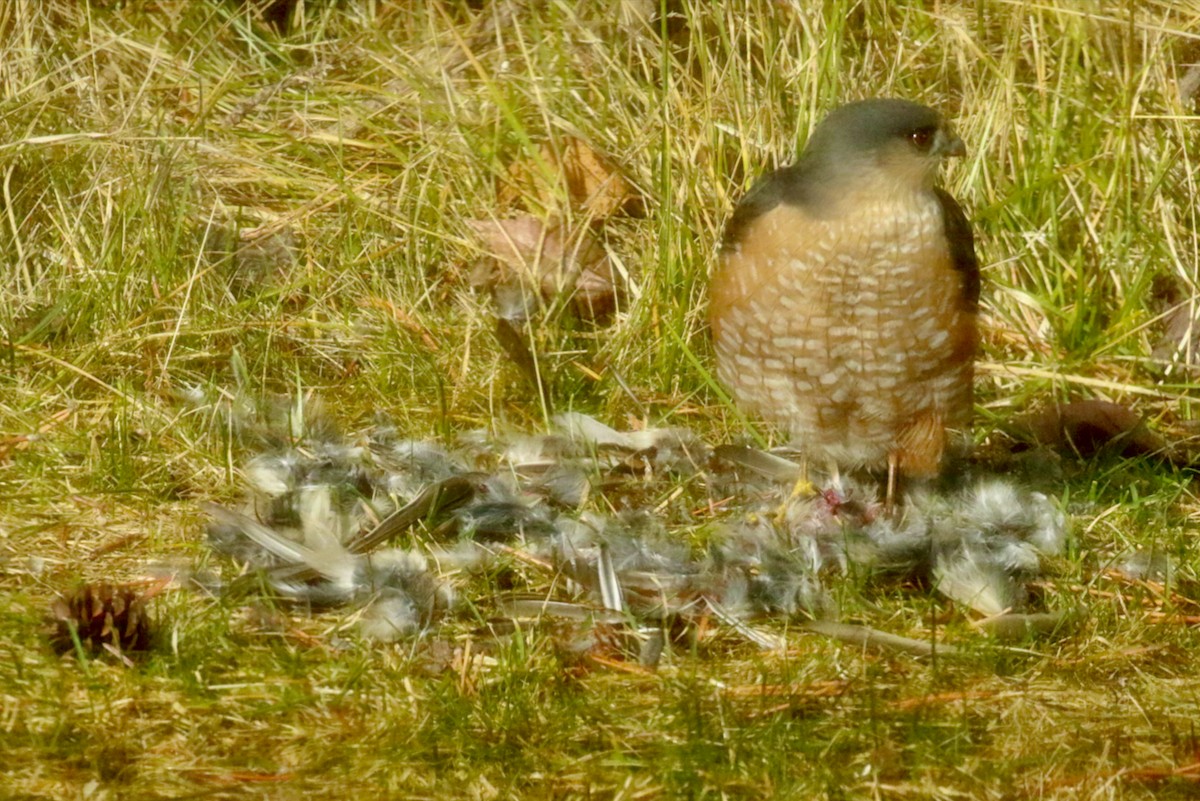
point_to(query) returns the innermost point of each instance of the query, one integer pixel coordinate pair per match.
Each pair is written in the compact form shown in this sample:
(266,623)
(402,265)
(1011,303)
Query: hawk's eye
(922,138)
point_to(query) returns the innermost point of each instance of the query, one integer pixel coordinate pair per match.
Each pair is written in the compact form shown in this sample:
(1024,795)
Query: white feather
(965,580)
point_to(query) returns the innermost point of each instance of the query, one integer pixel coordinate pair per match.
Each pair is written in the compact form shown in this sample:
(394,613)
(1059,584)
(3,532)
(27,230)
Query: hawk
(843,308)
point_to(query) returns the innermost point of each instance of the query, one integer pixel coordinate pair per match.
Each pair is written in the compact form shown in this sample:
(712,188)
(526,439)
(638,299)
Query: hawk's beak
(948,145)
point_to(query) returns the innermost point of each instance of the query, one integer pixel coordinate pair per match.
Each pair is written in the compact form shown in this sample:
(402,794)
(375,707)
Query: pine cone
(102,614)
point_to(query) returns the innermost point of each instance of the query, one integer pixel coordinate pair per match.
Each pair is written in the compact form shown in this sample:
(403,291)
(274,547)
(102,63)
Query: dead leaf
(1189,84)
(1179,342)
(519,351)
(594,184)
(591,182)
(1088,427)
(526,252)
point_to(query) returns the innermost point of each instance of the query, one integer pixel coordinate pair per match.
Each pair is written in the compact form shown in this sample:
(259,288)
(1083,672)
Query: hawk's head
(894,140)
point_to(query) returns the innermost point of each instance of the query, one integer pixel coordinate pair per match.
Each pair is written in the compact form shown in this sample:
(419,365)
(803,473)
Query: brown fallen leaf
(594,184)
(1088,427)
(570,170)
(1178,345)
(527,255)
(520,352)
(1188,63)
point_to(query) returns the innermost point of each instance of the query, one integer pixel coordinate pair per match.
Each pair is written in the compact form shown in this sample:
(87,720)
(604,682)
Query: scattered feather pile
(391,527)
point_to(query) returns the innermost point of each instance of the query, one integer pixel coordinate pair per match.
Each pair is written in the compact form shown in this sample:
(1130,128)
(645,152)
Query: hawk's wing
(962,246)
(792,185)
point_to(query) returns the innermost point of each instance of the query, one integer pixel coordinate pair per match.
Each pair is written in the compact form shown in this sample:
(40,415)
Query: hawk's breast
(849,331)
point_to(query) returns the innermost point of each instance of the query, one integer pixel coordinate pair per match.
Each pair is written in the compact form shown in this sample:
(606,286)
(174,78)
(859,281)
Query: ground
(205,202)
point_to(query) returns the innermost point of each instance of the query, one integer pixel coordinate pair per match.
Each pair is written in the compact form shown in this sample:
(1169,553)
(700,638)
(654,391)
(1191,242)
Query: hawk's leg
(802,487)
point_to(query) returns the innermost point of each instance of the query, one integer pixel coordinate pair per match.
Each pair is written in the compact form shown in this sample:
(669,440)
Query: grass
(142,141)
